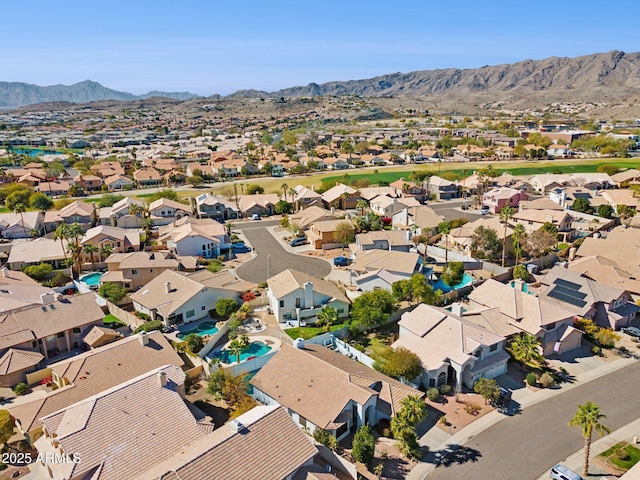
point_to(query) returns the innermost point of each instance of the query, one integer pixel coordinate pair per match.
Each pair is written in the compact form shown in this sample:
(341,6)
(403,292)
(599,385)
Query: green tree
(226,306)
(364,445)
(327,316)
(588,418)
(39,201)
(284,188)
(194,342)
(372,308)
(74,234)
(239,345)
(444,229)
(254,189)
(90,249)
(38,272)
(18,197)
(518,238)
(521,272)
(549,228)
(605,210)
(581,205)
(106,251)
(485,243)
(167,193)
(398,363)
(525,348)
(21,208)
(453,274)
(403,425)
(345,233)
(283,207)
(506,214)
(7,426)
(488,388)
(61,233)
(362,205)
(112,291)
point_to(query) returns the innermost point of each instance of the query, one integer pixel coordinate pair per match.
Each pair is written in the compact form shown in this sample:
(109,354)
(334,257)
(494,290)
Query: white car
(560,472)
(255,216)
(484,210)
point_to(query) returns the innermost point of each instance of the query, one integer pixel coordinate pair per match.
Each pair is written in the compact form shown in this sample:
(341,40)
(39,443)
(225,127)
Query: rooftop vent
(236,426)
(144,338)
(299,343)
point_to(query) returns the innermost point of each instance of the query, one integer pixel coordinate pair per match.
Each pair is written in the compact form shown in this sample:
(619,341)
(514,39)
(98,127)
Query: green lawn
(4,210)
(112,321)
(309,332)
(633,452)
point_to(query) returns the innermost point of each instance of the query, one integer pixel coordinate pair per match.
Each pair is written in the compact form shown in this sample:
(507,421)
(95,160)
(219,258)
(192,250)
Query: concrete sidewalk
(439,443)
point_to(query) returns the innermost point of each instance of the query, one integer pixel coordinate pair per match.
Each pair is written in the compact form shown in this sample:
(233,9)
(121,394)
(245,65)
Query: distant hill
(17,94)
(613,74)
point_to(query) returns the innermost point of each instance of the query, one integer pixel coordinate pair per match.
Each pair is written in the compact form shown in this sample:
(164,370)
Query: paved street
(452,209)
(264,244)
(528,444)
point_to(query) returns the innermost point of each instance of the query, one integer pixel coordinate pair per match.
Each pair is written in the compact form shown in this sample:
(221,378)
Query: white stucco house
(195,237)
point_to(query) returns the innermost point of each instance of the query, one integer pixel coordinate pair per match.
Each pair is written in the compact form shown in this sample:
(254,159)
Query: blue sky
(221,46)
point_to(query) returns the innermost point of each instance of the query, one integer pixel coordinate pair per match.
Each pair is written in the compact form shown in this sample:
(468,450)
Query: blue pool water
(440,285)
(34,152)
(92,279)
(525,287)
(205,328)
(256,349)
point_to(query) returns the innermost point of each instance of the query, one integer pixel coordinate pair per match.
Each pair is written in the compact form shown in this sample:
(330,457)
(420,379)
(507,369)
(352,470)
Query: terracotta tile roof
(15,360)
(318,383)
(109,430)
(97,370)
(337,191)
(154,295)
(290,280)
(310,215)
(100,333)
(391,260)
(165,202)
(271,446)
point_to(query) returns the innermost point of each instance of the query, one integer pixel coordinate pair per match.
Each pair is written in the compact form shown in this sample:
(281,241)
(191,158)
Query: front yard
(622,456)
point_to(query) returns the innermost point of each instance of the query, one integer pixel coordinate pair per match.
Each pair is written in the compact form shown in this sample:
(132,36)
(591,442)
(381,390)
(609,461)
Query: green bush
(21,389)
(142,316)
(194,342)
(444,389)
(531,379)
(433,394)
(150,326)
(323,437)
(547,380)
(38,272)
(226,306)
(520,272)
(59,280)
(113,292)
(364,445)
(622,454)
(596,350)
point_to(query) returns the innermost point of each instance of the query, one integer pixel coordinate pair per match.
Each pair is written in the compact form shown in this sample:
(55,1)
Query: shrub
(433,394)
(21,389)
(531,379)
(622,454)
(150,326)
(444,389)
(323,437)
(59,280)
(472,409)
(112,291)
(248,296)
(214,265)
(596,350)
(142,316)
(262,285)
(226,306)
(547,380)
(520,272)
(488,388)
(194,342)
(606,338)
(443,420)
(384,428)
(364,445)
(399,362)
(38,272)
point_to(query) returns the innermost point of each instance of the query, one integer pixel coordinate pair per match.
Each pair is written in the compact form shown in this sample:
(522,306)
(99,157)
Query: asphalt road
(264,244)
(452,209)
(528,444)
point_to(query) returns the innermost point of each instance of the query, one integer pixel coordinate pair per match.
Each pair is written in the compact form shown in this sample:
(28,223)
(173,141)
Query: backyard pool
(525,287)
(205,328)
(92,279)
(255,349)
(440,285)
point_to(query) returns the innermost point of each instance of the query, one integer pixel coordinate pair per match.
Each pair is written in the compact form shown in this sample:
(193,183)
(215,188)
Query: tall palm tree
(136,209)
(414,409)
(61,233)
(444,230)
(506,214)
(292,194)
(75,234)
(21,208)
(375,173)
(90,249)
(284,188)
(362,204)
(526,348)
(328,316)
(519,234)
(228,226)
(588,418)
(106,251)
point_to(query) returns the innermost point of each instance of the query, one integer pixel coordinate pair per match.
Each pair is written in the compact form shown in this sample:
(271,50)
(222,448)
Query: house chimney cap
(162,378)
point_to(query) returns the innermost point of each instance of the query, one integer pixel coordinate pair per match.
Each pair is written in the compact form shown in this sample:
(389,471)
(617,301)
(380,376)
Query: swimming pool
(255,349)
(205,328)
(92,279)
(440,285)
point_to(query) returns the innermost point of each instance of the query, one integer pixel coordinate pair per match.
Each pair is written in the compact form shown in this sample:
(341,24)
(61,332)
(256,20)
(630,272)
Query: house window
(77,330)
(493,348)
(302,421)
(281,303)
(204,247)
(34,344)
(60,334)
(191,313)
(298,301)
(202,308)
(551,326)
(134,272)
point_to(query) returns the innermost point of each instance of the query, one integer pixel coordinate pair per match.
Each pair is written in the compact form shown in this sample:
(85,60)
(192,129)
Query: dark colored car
(633,331)
(240,247)
(341,261)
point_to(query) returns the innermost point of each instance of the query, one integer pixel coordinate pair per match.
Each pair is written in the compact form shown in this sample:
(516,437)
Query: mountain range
(609,76)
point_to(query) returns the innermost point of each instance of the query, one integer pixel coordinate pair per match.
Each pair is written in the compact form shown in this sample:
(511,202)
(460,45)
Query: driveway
(528,444)
(452,209)
(264,245)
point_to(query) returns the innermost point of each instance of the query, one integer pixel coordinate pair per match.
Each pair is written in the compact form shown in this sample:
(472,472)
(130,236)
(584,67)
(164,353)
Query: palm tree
(284,188)
(526,349)
(414,410)
(136,209)
(106,251)
(90,249)
(362,204)
(61,233)
(518,236)
(444,230)
(292,194)
(328,316)
(228,226)
(375,173)
(506,214)
(588,418)
(21,208)
(75,233)
(238,345)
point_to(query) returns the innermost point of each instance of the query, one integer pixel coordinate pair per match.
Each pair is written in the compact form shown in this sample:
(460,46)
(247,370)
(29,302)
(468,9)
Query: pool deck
(273,342)
(173,335)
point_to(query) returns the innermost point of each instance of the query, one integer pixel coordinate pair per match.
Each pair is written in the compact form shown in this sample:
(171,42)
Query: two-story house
(82,213)
(500,197)
(443,189)
(341,197)
(125,213)
(218,208)
(133,270)
(195,237)
(164,211)
(410,189)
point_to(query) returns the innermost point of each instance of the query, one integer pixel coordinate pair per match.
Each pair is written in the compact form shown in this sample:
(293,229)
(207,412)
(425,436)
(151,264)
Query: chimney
(5,272)
(47,298)
(162,378)
(144,338)
(457,309)
(308,294)
(518,284)
(236,426)
(299,343)
(167,287)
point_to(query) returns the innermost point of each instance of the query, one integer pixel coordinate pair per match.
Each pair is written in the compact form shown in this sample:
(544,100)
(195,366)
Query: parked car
(341,261)
(502,402)
(240,247)
(560,472)
(633,331)
(484,210)
(255,216)
(297,242)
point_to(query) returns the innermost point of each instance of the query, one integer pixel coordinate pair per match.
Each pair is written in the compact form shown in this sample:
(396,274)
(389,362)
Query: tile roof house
(500,197)
(16,225)
(296,296)
(600,269)
(304,198)
(88,429)
(267,445)
(213,206)
(392,240)
(147,176)
(83,213)
(626,176)
(36,251)
(443,189)
(420,220)
(164,211)
(92,372)
(607,306)
(262,204)
(451,349)
(535,219)
(15,364)
(194,237)
(617,198)
(118,182)
(17,293)
(132,270)
(121,215)
(320,388)
(323,232)
(121,240)
(507,311)
(341,196)
(620,245)
(307,217)
(177,298)
(410,189)
(403,264)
